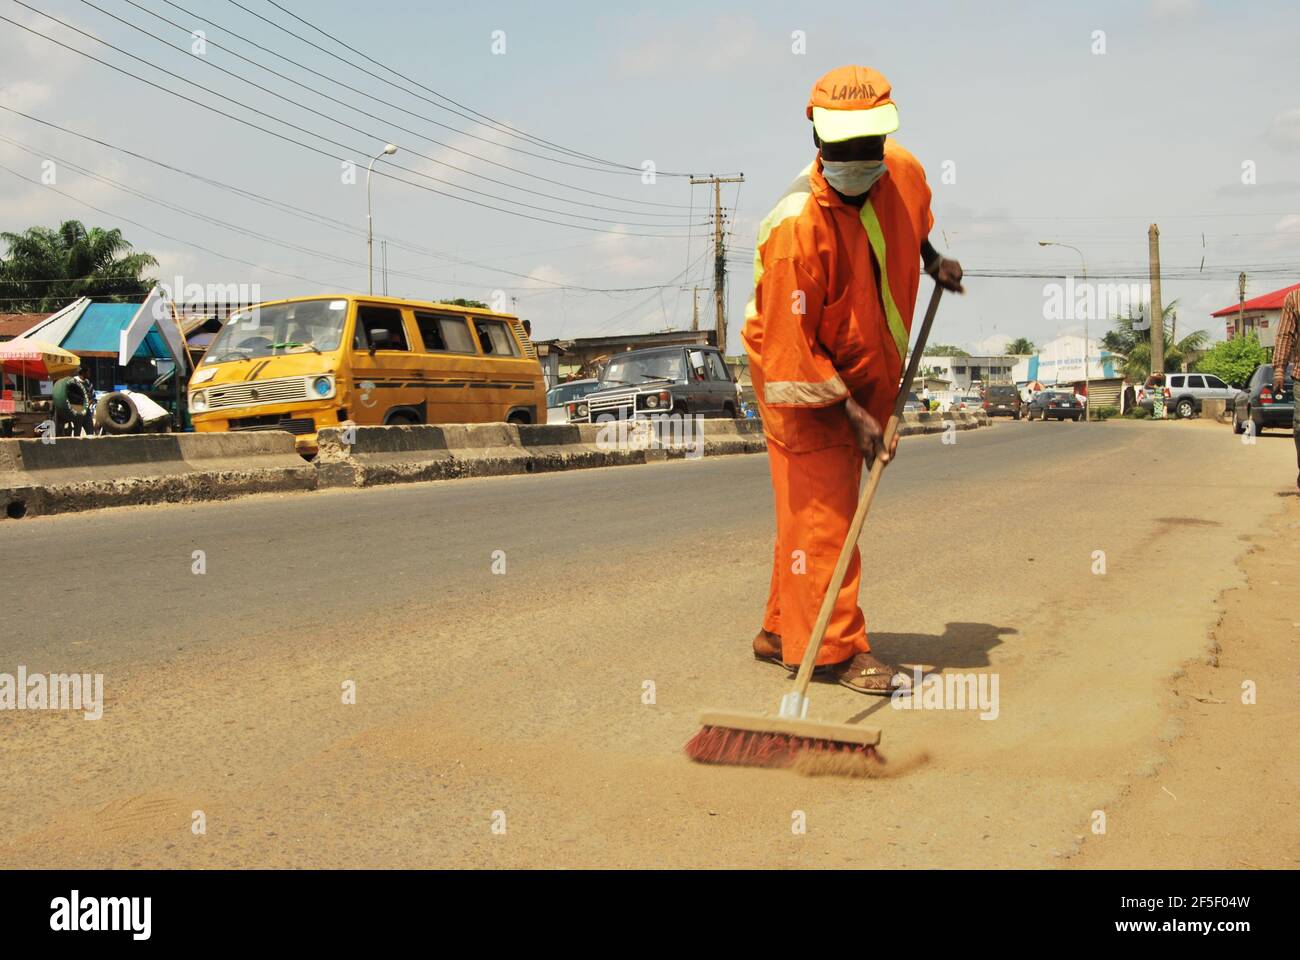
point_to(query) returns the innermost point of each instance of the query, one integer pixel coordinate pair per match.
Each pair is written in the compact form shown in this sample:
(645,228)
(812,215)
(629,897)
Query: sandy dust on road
(495,731)
(1228,794)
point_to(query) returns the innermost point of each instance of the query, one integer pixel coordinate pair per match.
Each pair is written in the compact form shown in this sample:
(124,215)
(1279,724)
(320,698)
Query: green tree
(1020,345)
(1131,340)
(1233,361)
(46,269)
(944,350)
(461,302)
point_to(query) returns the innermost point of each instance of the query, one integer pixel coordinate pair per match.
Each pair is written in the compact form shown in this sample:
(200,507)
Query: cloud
(25,95)
(1286,234)
(1282,188)
(991,346)
(1286,128)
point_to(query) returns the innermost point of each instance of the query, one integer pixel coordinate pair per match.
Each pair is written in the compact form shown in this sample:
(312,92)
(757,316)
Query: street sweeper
(836,274)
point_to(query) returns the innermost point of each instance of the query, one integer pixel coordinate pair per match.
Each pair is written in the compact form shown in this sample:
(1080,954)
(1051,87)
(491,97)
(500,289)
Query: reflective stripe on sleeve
(801,393)
(790,205)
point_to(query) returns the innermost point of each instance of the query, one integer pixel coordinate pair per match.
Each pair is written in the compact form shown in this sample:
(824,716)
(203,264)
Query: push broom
(790,739)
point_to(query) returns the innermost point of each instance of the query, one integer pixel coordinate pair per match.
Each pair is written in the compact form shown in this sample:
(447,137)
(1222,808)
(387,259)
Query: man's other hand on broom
(870,434)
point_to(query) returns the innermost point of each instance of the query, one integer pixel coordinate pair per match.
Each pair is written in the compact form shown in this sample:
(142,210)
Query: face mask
(852,178)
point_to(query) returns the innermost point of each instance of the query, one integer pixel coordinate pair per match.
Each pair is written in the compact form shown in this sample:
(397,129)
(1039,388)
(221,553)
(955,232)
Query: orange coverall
(835,288)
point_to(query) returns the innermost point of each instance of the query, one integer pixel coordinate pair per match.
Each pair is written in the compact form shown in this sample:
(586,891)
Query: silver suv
(1185,391)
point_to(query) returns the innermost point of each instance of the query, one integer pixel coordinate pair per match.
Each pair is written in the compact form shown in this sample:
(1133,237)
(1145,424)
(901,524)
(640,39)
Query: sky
(525,132)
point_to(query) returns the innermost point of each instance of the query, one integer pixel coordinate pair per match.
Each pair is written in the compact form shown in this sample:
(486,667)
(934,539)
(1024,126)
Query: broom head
(762,740)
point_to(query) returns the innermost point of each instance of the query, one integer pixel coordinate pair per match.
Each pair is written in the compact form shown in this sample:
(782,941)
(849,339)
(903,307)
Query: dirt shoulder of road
(1228,794)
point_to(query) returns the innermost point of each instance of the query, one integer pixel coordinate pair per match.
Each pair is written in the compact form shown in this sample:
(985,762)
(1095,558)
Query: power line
(306,146)
(321,219)
(366,113)
(188,243)
(278,119)
(498,125)
(215,221)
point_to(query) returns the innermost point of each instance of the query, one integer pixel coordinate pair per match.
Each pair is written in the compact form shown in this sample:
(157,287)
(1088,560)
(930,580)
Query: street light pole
(1087,379)
(388,151)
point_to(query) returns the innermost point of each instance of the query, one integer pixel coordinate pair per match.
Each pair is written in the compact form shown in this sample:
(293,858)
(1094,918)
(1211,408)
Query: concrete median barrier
(914,423)
(83,473)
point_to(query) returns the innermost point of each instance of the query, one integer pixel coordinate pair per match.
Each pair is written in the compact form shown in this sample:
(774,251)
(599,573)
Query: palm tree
(1021,345)
(1131,340)
(46,269)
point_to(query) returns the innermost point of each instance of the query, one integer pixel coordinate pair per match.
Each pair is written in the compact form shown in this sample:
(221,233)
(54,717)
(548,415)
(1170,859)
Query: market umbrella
(37,360)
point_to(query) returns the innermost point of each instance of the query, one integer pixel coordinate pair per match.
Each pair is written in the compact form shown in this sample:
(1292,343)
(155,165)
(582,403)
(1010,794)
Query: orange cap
(852,102)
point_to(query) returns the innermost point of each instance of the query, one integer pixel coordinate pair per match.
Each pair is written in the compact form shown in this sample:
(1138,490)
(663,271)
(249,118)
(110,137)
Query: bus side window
(455,334)
(370,319)
(430,331)
(495,338)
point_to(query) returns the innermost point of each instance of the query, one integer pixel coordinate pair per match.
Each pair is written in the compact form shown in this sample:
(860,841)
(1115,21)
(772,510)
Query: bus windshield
(298,327)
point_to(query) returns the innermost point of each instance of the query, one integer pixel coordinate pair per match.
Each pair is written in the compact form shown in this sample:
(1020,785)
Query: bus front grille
(254,392)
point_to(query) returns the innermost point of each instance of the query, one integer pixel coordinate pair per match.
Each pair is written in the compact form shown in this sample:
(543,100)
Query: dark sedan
(1055,405)
(1258,404)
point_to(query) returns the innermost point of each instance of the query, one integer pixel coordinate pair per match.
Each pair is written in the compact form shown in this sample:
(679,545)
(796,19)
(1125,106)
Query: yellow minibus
(312,362)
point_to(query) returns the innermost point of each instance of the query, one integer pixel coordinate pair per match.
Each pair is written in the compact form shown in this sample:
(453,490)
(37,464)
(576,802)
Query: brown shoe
(865,674)
(767,646)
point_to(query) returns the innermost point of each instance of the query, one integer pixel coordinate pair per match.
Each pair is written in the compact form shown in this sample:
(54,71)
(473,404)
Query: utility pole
(719,255)
(383,261)
(1157,316)
(695,308)
(1241,304)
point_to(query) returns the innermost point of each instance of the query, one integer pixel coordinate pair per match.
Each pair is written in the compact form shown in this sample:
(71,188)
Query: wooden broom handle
(864,504)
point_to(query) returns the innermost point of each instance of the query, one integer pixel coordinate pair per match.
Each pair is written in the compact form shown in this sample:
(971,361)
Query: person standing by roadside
(1157,396)
(1285,353)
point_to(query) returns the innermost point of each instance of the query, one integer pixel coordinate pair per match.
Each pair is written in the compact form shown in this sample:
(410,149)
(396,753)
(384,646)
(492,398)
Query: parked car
(1002,400)
(659,380)
(561,395)
(1056,405)
(1258,403)
(971,402)
(1184,393)
(914,404)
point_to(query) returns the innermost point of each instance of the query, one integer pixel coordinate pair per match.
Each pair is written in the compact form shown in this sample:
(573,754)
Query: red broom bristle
(747,748)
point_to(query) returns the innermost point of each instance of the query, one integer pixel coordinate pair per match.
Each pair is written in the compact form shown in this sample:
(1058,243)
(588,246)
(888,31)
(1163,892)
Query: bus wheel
(519,417)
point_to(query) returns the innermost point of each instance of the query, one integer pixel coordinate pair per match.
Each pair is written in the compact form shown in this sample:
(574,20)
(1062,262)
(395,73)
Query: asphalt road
(503,637)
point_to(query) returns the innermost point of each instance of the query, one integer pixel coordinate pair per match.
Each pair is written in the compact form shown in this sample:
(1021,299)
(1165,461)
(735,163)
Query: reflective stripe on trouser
(816,494)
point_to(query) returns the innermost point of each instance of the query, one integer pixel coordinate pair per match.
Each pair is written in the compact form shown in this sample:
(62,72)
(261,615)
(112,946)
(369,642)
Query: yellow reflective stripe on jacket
(798,392)
(796,198)
(877,238)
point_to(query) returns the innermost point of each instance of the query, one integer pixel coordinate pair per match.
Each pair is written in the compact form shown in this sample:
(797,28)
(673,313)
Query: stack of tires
(73,401)
(76,411)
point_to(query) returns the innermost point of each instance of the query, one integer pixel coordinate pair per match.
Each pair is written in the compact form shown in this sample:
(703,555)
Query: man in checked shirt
(1286,352)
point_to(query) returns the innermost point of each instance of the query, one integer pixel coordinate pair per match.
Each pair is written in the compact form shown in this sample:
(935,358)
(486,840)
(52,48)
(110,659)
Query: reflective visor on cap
(836,125)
